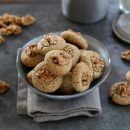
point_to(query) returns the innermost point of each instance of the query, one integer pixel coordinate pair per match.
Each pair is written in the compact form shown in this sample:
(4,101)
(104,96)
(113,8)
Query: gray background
(49,19)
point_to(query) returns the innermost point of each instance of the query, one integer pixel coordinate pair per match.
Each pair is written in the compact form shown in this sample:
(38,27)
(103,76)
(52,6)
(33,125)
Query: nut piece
(2,40)
(120,93)
(128,76)
(28,20)
(2,24)
(126,55)
(15,29)
(3,87)
(31,50)
(5,31)
(97,63)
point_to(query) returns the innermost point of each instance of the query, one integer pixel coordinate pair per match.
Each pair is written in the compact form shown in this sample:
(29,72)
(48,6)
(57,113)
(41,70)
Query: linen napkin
(42,109)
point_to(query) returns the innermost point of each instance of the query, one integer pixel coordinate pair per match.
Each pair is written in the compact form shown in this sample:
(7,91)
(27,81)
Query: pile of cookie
(120,91)
(62,63)
(11,24)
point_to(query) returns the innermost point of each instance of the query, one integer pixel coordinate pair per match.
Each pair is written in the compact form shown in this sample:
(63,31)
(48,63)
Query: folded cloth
(42,109)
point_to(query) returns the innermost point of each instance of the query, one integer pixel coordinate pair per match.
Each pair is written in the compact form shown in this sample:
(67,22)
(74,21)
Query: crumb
(2,40)
(3,87)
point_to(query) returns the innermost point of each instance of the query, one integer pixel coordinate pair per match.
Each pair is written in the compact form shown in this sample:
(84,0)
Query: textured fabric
(42,109)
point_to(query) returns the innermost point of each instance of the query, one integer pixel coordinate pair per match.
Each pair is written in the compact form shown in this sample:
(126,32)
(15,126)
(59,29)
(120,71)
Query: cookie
(43,80)
(94,61)
(73,51)
(29,76)
(81,77)
(58,62)
(67,87)
(75,38)
(128,76)
(50,42)
(30,57)
(120,93)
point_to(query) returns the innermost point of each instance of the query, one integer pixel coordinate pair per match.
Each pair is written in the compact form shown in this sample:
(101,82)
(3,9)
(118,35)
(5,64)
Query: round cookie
(44,81)
(81,77)
(73,51)
(50,42)
(128,76)
(120,93)
(94,61)
(58,62)
(75,38)
(67,87)
(29,76)
(30,57)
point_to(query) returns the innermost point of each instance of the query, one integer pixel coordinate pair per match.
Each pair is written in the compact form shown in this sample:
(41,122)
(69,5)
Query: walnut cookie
(120,93)
(50,42)
(81,77)
(75,38)
(58,62)
(94,61)
(29,76)
(67,87)
(30,57)
(73,51)
(128,76)
(44,81)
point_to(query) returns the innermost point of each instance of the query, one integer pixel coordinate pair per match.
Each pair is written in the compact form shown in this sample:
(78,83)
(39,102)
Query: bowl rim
(62,97)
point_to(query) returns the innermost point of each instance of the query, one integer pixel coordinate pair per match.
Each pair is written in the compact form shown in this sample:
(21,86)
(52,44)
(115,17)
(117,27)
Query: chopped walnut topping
(86,78)
(2,40)
(98,63)
(69,50)
(31,50)
(44,75)
(3,86)
(48,40)
(123,89)
(62,59)
(125,55)
(51,39)
(15,29)
(28,20)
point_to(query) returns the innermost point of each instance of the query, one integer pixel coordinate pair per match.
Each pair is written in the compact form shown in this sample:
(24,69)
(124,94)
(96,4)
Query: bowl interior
(93,45)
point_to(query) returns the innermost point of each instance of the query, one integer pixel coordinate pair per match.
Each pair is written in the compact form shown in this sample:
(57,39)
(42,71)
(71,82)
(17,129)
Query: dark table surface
(49,19)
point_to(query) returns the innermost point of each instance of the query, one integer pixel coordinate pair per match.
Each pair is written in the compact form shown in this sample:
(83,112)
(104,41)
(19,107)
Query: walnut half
(126,55)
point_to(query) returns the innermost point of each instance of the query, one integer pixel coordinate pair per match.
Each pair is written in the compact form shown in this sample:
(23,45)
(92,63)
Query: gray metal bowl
(93,45)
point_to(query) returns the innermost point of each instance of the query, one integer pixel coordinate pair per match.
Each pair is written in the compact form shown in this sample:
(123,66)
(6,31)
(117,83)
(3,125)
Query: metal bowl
(93,45)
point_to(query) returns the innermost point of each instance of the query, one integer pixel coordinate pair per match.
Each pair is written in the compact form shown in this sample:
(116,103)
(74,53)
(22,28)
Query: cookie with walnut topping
(75,38)
(120,93)
(44,80)
(29,76)
(58,62)
(30,57)
(50,42)
(81,77)
(94,61)
(73,51)
(67,87)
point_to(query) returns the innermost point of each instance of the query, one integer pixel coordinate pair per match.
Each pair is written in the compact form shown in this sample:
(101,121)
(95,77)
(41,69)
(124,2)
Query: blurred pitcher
(85,11)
